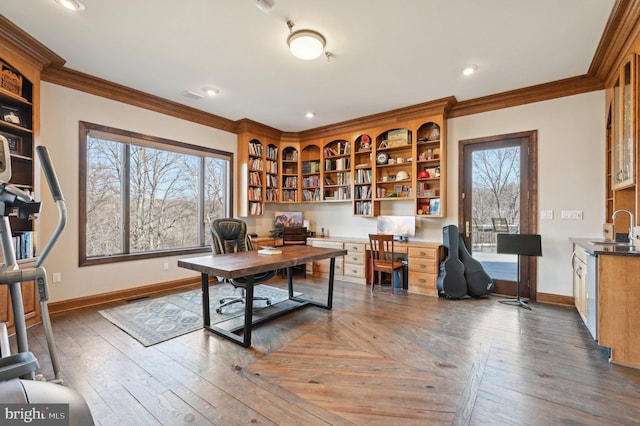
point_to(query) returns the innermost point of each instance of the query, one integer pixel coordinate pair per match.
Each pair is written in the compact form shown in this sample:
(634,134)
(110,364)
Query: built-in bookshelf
(310,172)
(290,174)
(337,171)
(271,173)
(363,186)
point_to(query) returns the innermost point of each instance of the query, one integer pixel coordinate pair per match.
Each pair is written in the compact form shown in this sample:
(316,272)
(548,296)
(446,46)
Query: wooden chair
(295,236)
(383,259)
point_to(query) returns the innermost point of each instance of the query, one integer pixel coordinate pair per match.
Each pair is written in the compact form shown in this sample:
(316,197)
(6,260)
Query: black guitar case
(451,280)
(479,283)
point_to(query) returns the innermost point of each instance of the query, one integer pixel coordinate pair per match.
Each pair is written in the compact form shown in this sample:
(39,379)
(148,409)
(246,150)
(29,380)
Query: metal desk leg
(248,311)
(206,313)
(329,305)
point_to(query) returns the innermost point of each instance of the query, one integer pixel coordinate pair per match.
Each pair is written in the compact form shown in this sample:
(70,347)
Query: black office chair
(230,236)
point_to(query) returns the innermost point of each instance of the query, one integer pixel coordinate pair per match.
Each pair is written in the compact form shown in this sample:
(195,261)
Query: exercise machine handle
(56,192)
(49,172)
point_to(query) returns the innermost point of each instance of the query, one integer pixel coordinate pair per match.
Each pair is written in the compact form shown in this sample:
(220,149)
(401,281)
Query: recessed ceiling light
(265,5)
(470,70)
(211,91)
(310,114)
(74,5)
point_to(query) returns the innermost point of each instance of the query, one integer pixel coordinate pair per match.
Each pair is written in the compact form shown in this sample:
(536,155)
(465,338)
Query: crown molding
(86,83)
(247,125)
(621,31)
(527,95)
(32,48)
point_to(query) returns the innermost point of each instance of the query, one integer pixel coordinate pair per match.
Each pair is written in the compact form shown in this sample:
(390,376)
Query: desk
(248,263)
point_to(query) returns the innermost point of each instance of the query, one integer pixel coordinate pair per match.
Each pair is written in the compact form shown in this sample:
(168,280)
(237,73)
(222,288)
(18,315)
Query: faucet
(631,223)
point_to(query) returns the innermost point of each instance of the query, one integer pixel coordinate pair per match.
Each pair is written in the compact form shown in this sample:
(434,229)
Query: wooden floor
(375,359)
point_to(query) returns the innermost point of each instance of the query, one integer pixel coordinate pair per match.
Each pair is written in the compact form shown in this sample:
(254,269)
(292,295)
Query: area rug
(154,320)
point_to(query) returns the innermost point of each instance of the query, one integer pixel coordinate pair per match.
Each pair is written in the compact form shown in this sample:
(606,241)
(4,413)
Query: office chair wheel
(268,302)
(219,311)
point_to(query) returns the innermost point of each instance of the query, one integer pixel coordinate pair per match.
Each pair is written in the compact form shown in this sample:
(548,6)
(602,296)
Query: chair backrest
(294,236)
(229,236)
(381,247)
(500,224)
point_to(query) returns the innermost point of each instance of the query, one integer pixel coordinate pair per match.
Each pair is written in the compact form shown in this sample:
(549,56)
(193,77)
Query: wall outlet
(571,214)
(165,266)
(546,215)
(56,277)
(636,232)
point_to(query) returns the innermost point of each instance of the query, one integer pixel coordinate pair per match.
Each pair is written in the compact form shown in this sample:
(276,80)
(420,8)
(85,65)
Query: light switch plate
(571,214)
(636,232)
(546,214)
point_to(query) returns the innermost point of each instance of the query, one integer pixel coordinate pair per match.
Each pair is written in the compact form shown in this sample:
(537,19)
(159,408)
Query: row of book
(254,179)
(256,164)
(272,181)
(290,195)
(363,192)
(337,164)
(341,148)
(311,195)
(255,149)
(342,179)
(338,194)
(272,195)
(272,153)
(255,194)
(364,208)
(24,244)
(290,155)
(311,182)
(310,166)
(272,166)
(255,208)
(290,182)
(364,175)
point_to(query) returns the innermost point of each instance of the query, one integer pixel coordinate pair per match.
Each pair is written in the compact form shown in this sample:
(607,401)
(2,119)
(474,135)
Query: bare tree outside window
(143,198)
(496,186)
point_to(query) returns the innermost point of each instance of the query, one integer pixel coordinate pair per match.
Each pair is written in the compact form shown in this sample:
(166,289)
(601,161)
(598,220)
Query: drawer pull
(355,271)
(422,280)
(422,253)
(422,266)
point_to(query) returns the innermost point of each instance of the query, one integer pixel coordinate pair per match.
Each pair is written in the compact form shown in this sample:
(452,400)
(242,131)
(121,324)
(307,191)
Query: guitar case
(479,283)
(451,280)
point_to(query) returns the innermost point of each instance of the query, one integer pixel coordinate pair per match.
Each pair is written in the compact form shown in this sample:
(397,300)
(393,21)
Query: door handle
(466,229)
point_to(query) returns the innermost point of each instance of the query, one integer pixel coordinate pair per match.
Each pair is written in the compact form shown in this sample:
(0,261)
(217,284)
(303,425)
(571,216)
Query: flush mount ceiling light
(310,114)
(74,5)
(305,44)
(470,69)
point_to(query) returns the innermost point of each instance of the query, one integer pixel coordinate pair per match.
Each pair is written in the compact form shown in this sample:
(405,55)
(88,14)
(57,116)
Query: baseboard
(555,299)
(131,293)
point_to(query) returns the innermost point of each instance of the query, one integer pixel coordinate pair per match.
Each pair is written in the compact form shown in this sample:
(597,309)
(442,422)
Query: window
(142,196)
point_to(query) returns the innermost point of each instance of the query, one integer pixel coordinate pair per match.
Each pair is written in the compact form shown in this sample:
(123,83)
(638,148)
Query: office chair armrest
(17,365)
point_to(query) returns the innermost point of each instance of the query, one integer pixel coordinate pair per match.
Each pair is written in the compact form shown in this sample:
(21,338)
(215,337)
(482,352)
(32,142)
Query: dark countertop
(618,249)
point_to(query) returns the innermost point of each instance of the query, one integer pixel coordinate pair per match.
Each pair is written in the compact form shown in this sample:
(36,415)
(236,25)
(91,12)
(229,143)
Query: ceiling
(385,55)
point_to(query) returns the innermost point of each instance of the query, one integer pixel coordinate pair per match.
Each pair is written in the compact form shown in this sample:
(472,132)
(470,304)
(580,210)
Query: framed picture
(434,206)
(14,142)
(12,115)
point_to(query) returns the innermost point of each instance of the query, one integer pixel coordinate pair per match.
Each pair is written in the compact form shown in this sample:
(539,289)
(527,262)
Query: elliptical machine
(18,384)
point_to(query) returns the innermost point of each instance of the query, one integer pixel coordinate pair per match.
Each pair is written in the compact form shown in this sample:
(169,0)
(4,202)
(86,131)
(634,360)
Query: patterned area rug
(152,321)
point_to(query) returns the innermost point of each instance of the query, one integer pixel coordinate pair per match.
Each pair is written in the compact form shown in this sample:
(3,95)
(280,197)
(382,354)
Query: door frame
(528,264)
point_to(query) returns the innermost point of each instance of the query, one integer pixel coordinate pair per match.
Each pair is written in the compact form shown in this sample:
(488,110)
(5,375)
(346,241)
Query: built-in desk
(423,259)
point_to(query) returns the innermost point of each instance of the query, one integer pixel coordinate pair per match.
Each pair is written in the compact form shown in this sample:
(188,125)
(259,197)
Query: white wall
(61,110)
(570,176)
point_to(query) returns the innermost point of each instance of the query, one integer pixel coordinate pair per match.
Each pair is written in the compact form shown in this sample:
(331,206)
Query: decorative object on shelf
(11,80)
(434,206)
(12,115)
(423,174)
(397,137)
(402,175)
(382,158)
(15,142)
(306,44)
(365,143)
(433,134)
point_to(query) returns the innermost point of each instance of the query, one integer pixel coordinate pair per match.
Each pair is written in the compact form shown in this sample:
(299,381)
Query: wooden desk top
(241,264)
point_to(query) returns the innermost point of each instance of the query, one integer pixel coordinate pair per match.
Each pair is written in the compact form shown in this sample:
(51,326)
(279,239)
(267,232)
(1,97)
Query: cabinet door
(624,94)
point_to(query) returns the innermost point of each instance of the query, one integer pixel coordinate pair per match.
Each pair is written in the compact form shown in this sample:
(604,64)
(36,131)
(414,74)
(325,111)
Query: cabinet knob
(422,280)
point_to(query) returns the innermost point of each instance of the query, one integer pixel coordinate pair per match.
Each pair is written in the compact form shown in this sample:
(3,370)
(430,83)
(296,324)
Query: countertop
(619,249)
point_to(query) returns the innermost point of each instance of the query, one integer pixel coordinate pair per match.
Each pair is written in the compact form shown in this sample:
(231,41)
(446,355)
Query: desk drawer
(323,266)
(354,247)
(423,283)
(419,264)
(422,252)
(354,258)
(327,244)
(352,270)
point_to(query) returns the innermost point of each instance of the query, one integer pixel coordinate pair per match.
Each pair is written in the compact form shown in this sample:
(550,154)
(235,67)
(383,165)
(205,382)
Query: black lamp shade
(521,244)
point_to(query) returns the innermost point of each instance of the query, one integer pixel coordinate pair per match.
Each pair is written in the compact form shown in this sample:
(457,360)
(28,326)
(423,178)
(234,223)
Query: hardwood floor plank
(375,359)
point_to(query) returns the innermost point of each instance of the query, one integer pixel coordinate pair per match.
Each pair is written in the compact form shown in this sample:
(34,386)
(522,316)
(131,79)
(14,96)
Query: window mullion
(125,190)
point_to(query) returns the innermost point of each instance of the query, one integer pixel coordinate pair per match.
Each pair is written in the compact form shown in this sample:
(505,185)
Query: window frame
(119,135)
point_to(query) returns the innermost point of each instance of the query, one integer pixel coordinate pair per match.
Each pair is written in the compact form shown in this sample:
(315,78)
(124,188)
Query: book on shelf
(269,250)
